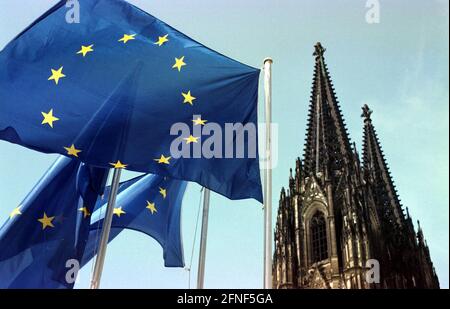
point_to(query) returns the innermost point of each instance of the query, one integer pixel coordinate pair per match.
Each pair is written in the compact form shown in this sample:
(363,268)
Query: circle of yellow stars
(50,118)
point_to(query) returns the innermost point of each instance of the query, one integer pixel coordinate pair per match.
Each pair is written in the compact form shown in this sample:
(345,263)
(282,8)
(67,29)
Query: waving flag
(149,204)
(122,88)
(45,236)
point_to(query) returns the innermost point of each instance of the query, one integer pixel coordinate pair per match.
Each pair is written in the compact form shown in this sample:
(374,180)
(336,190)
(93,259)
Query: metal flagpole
(268,176)
(106,228)
(203,238)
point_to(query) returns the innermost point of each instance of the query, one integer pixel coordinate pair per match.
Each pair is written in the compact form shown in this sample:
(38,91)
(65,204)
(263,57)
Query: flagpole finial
(268,59)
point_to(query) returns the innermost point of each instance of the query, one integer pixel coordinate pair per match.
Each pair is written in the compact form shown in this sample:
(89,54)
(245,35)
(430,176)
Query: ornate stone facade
(340,214)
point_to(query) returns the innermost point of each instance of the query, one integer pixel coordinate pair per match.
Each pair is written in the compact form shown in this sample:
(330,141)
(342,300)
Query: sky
(399,67)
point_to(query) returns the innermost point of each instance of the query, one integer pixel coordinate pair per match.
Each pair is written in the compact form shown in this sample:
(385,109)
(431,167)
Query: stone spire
(327,146)
(377,172)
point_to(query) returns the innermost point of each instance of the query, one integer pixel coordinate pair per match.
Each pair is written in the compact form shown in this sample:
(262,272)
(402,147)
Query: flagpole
(106,228)
(268,176)
(203,238)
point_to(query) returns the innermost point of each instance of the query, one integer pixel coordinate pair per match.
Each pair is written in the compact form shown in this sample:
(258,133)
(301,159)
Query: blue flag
(149,204)
(123,89)
(45,236)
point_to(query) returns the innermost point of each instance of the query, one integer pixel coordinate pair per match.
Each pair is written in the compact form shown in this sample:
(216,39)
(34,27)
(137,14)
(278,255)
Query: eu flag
(126,90)
(45,236)
(149,204)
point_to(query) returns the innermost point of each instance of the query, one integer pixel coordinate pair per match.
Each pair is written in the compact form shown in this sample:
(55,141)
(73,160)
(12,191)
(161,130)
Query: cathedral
(340,224)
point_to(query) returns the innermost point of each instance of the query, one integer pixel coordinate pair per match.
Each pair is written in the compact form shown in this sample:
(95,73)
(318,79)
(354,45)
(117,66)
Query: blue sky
(399,67)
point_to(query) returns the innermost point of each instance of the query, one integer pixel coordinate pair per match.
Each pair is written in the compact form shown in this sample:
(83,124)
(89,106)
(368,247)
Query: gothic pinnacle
(318,50)
(367,112)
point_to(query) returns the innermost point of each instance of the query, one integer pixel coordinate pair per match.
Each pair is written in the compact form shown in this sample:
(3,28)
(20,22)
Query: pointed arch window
(319,238)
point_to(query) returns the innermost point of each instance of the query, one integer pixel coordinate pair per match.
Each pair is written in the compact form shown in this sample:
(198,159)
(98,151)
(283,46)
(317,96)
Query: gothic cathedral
(341,224)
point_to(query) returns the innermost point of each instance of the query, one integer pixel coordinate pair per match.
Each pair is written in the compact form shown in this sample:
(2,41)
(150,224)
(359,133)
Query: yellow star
(162,40)
(163,160)
(191,139)
(199,121)
(85,211)
(188,98)
(118,211)
(86,49)
(151,207)
(46,221)
(72,151)
(16,211)
(56,75)
(163,192)
(179,62)
(127,37)
(119,164)
(49,118)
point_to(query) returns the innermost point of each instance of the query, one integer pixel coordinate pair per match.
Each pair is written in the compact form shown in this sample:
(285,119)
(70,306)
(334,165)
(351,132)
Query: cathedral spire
(341,209)
(377,171)
(327,143)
